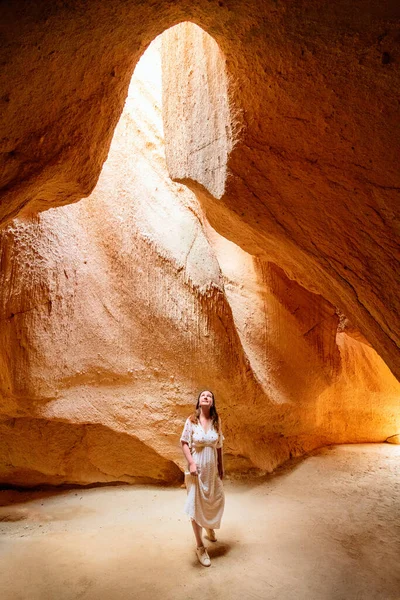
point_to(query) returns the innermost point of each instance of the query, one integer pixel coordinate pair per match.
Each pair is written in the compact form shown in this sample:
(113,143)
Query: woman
(202,446)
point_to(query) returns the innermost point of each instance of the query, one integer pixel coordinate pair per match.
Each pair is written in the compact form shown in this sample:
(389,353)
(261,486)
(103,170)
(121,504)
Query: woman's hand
(193,468)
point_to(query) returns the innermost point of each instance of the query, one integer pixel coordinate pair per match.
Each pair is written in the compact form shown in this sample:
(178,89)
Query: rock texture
(312,182)
(37,451)
(314,173)
(196,107)
(115,311)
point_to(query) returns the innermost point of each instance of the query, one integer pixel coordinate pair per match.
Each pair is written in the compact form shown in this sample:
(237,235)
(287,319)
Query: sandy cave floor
(323,528)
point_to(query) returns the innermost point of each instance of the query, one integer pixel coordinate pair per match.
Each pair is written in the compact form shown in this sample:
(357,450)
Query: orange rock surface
(115,311)
(314,179)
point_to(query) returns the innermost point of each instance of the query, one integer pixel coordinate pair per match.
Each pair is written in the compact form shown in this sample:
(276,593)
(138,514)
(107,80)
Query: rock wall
(196,107)
(314,180)
(117,310)
(301,186)
(322,384)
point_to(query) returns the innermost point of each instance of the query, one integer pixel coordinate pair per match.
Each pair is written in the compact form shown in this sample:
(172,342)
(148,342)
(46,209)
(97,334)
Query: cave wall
(306,186)
(325,384)
(117,310)
(313,178)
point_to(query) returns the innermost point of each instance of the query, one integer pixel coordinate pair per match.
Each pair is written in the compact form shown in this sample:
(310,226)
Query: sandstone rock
(347,327)
(319,383)
(394,439)
(37,451)
(314,179)
(113,310)
(312,183)
(197,118)
(116,311)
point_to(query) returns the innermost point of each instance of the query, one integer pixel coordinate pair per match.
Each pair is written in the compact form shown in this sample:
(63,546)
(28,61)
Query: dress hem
(193,518)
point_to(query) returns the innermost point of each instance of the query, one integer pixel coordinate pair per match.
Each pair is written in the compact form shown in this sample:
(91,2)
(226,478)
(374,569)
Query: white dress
(205,493)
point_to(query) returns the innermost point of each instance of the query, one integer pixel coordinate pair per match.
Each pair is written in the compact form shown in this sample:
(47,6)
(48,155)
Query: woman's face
(206,399)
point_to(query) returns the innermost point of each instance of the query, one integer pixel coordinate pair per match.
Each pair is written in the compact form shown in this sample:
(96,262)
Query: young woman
(202,446)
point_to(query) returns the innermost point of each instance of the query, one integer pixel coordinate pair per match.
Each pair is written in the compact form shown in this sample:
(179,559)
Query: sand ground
(323,528)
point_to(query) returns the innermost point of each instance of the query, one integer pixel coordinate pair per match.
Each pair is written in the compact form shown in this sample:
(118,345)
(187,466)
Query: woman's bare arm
(189,458)
(220,463)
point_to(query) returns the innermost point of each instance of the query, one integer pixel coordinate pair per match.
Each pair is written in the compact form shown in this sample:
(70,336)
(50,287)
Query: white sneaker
(211,535)
(203,557)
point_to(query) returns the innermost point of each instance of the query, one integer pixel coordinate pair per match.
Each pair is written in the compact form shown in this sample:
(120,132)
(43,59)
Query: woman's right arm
(189,458)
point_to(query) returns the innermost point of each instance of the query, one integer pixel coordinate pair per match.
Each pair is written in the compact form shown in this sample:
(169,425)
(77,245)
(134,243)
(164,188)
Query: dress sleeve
(187,433)
(220,435)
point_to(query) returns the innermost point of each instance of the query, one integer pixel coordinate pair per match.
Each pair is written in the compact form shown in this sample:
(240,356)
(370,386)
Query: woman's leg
(197,533)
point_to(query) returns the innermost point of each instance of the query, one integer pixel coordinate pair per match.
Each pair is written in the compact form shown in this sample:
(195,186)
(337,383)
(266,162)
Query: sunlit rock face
(196,108)
(313,178)
(319,384)
(116,311)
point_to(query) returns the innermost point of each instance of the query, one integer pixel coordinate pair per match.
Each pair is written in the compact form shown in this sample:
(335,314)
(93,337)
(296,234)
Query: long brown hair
(194,417)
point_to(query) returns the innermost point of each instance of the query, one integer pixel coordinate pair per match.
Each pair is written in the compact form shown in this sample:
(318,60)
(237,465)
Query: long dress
(205,492)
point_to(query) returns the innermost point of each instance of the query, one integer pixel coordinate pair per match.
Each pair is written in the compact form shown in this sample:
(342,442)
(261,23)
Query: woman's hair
(194,417)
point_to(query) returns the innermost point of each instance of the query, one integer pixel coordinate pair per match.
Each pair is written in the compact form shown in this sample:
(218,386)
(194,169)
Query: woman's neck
(205,412)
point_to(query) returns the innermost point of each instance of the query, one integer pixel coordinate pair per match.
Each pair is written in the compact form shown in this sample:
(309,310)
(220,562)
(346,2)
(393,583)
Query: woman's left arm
(220,463)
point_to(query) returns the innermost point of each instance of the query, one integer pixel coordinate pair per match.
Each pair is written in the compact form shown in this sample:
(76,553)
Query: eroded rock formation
(115,311)
(295,192)
(314,178)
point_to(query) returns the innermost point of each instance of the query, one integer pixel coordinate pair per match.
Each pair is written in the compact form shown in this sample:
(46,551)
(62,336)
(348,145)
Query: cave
(199,196)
